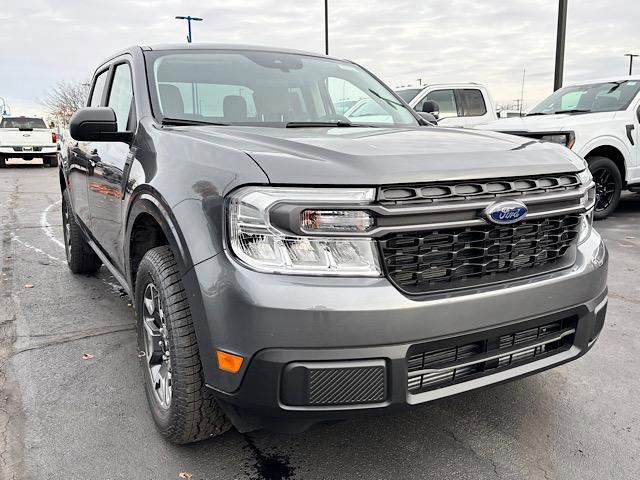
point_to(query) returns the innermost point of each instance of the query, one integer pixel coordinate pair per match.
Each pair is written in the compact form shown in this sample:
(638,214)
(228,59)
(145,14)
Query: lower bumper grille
(429,369)
(422,262)
(322,384)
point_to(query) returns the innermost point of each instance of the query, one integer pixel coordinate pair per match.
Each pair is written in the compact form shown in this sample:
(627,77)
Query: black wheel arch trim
(146,200)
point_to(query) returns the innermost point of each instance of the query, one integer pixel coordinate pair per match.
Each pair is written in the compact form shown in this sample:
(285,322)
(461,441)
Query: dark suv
(289,265)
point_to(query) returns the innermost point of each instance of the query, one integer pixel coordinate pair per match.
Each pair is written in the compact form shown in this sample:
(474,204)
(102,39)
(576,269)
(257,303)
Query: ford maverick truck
(290,266)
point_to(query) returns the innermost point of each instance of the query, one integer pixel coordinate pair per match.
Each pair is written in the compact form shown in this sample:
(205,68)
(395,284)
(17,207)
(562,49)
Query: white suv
(600,121)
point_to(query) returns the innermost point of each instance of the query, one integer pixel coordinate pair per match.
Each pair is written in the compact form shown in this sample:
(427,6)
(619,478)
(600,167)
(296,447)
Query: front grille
(430,369)
(422,262)
(489,189)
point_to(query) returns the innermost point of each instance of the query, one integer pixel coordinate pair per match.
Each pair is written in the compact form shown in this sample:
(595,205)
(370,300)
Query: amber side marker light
(228,362)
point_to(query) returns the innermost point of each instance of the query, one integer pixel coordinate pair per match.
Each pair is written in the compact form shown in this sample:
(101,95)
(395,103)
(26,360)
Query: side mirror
(429,117)
(97,124)
(431,107)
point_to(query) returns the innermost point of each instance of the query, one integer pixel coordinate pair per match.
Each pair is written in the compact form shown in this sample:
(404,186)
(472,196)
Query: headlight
(589,198)
(564,138)
(261,245)
(586,224)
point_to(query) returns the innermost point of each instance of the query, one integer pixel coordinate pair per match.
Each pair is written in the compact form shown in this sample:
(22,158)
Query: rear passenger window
(472,102)
(446,100)
(98,89)
(121,95)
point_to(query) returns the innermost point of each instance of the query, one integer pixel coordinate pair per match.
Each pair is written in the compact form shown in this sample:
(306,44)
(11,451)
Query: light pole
(631,55)
(4,112)
(189,19)
(562,31)
(326,27)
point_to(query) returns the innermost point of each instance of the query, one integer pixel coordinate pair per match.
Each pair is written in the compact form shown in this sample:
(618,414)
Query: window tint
(121,95)
(22,122)
(446,100)
(472,102)
(408,94)
(596,97)
(265,88)
(98,89)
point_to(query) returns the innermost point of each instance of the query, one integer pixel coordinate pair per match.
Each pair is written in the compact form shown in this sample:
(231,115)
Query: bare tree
(65,98)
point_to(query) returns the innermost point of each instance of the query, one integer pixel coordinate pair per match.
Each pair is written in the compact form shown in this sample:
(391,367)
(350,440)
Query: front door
(82,158)
(106,181)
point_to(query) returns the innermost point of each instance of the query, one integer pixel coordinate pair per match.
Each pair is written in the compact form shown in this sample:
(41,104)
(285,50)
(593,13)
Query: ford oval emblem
(505,213)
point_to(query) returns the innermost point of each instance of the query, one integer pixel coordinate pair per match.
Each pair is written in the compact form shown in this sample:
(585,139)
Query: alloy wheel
(605,188)
(156,342)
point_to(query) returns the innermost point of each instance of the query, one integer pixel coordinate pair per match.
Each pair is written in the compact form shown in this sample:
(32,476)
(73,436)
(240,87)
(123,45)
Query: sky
(484,41)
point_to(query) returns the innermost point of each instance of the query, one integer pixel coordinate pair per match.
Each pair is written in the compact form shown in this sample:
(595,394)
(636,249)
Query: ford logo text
(505,213)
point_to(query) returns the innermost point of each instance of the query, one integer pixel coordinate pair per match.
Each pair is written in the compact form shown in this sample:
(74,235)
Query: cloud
(489,42)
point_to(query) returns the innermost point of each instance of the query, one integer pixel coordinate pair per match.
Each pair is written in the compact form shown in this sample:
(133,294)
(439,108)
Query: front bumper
(283,325)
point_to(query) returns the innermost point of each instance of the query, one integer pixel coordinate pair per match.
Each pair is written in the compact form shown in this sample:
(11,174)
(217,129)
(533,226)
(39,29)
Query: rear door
(82,156)
(110,162)
(473,106)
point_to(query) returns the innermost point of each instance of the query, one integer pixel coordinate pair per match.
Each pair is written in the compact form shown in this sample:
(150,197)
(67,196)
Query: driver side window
(446,100)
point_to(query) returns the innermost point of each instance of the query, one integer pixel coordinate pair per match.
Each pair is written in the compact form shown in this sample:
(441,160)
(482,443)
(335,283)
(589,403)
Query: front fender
(605,141)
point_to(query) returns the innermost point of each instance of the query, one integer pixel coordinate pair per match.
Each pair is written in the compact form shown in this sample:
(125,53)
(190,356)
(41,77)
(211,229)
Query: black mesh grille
(445,192)
(420,262)
(451,365)
(339,386)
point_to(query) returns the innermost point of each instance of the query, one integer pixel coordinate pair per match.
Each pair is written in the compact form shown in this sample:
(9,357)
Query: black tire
(51,161)
(80,256)
(191,413)
(3,161)
(608,185)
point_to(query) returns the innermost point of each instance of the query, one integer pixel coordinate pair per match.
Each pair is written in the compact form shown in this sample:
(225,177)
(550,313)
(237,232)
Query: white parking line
(15,238)
(46,226)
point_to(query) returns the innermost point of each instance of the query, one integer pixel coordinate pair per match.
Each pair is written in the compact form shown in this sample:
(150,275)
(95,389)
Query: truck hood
(371,156)
(546,123)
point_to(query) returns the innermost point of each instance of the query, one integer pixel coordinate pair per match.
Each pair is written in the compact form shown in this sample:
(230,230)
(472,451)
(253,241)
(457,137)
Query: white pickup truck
(27,138)
(453,104)
(600,121)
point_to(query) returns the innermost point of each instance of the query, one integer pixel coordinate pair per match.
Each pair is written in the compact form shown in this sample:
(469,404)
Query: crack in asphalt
(66,338)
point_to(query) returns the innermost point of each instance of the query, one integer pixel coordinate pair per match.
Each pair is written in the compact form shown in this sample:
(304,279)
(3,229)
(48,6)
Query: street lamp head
(196,19)
(179,17)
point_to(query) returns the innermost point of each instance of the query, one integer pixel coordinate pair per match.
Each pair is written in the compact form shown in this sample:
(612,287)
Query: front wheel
(608,185)
(182,406)
(3,161)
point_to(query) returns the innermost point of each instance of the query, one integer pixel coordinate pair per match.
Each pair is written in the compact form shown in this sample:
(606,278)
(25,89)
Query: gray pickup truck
(289,266)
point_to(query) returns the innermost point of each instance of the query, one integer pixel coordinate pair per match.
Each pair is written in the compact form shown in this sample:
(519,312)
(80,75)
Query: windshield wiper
(535,113)
(319,124)
(390,102)
(179,122)
(573,110)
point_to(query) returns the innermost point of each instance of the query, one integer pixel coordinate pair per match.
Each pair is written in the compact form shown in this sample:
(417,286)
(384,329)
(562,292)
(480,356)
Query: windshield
(266,89)
(22,122)
(595,97)
(408,94)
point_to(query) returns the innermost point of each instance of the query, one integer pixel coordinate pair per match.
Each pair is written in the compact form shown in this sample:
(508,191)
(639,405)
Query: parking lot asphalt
(63,416)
